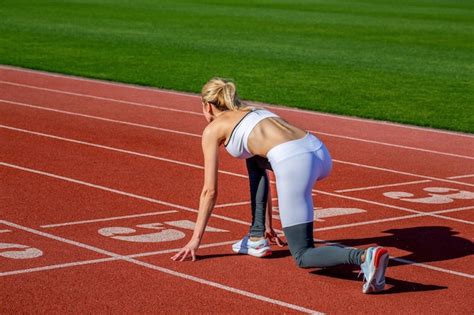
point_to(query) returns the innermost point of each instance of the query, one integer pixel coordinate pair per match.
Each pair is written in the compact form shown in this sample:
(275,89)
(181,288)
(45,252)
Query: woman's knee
(298,259)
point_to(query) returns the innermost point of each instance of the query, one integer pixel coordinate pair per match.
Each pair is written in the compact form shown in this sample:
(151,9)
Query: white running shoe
(260,248)
(374,266)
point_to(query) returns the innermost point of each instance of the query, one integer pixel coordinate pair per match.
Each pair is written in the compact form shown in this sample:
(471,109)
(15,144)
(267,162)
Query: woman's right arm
(207,200)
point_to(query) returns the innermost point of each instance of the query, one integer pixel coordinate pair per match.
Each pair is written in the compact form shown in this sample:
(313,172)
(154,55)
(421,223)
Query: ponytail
(221,93)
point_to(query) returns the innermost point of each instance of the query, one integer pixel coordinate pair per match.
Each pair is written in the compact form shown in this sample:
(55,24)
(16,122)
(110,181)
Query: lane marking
(222,217)
(163,270)
(382,186)
(402,173)
(192,95)
(391,206)
(394,145)
(154,157)
(196,135)
(5,231)
(461,176)
(19,251)
(108,219)
(457,273)
(200,114)
(101,118)
(403,217)
(230,173)
(102,98)
(95,261)
(119,192)
(219,216)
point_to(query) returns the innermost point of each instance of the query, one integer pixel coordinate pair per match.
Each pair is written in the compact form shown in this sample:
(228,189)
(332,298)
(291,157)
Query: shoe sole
(380,265)
(263,252)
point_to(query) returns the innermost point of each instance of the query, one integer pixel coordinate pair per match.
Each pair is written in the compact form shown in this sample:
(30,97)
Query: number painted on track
(18,251)
(436,195)
(123,234)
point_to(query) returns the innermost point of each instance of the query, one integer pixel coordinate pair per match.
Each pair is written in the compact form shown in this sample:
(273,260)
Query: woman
(298,160)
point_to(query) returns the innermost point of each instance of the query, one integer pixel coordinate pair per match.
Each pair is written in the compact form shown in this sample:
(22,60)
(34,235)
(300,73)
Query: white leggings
(297,165)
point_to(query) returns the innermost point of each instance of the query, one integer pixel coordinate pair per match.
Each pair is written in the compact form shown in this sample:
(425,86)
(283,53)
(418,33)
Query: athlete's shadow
(422,244)
(392,285)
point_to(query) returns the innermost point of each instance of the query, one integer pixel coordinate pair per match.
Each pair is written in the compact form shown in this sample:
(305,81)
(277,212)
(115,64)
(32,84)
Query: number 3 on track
(436,195)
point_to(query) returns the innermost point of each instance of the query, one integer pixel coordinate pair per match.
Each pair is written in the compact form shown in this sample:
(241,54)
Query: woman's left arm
(210,148)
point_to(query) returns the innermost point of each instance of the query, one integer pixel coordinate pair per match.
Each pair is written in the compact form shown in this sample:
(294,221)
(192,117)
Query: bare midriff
(271,132)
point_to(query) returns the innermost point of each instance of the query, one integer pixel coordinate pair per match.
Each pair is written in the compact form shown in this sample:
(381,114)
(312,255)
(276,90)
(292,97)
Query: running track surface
(100,184)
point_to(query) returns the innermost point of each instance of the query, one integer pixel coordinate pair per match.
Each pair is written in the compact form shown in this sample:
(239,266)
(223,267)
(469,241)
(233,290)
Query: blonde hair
(221,93)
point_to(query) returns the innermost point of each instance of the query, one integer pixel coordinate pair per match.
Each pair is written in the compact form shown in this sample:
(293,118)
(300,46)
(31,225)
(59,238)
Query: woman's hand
(190,248)
(273,238)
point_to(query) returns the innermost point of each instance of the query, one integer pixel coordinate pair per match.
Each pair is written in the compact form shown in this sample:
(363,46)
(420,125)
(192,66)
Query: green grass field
(408,61)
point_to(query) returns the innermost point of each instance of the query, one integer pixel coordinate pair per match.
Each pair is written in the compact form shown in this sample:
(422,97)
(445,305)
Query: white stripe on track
(403,217)
(200,114)
(102,98)
(461,176)
(192,95)
(154,157)
(197,135)
(429,214)
(154,200)
(383,186)
(402,173)
(399,146)
(119,192)
(240,175)
(95,261)
(101,118)
(409,262)
(108,219)
(163,270)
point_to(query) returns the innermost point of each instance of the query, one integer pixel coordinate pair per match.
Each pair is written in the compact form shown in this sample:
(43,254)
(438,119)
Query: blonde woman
(297,158)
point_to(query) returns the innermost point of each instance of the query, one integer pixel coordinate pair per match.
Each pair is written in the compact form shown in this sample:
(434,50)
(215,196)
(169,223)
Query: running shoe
(374,266)
(258,248)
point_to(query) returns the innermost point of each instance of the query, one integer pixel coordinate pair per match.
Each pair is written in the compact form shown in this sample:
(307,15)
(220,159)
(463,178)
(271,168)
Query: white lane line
(4,231)
(457,273)
(119,192)
(192,95)
(154,157)
(162,269)
(403,217)
(200,114)
(382,186)
(100,260)
(393,145)
(402,173)
(455,209)
(223,217)
(108,219)
(182,207)
(392,206)
(197,135)
(101,118)
(315,191)
(103,98)
(461,176)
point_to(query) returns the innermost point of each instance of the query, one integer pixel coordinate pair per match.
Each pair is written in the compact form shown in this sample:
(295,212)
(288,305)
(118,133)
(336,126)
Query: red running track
(97,193)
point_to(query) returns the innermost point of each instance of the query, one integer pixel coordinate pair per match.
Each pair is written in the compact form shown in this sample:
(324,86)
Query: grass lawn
(409,61)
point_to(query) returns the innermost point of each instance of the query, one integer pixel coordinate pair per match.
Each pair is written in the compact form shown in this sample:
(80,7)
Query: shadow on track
(392,285)
(423,243)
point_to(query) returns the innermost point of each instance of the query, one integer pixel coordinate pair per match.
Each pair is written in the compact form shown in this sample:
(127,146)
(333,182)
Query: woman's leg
(301,244)
(295,179)
(259,185)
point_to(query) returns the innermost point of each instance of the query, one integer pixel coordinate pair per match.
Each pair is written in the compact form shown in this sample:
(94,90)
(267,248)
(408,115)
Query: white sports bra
(237,143)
